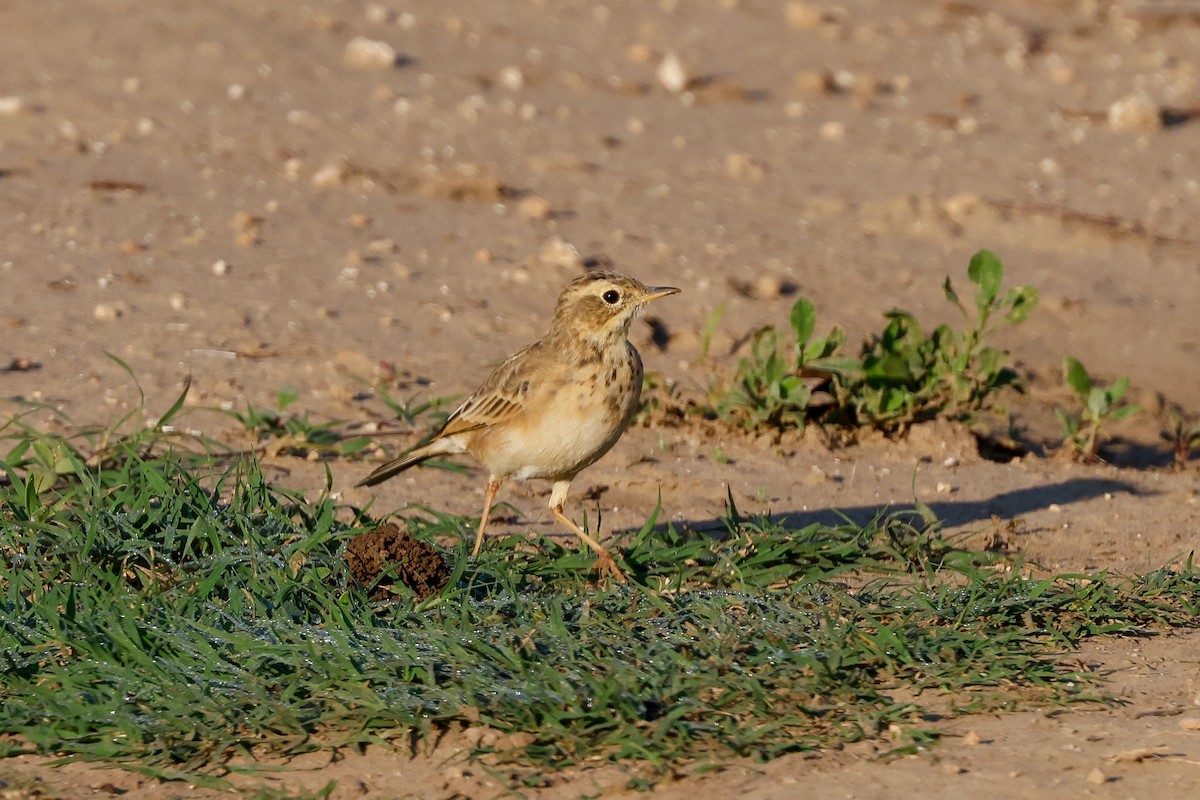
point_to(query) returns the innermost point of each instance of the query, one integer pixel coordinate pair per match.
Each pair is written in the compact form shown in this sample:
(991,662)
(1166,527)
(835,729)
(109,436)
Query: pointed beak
(655,292)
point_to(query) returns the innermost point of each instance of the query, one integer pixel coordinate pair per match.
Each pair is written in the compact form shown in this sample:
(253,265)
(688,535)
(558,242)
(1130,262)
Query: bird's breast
(569,420)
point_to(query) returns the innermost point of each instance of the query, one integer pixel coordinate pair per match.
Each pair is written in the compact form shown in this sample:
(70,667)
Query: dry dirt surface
(326,194)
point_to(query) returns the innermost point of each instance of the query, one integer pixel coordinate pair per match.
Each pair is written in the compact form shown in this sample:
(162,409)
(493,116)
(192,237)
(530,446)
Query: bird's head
(600,306)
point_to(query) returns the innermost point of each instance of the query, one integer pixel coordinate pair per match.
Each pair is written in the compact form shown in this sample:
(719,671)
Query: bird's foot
(607,567)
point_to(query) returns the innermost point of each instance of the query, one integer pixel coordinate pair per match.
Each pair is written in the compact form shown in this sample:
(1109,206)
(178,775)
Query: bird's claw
(606,566)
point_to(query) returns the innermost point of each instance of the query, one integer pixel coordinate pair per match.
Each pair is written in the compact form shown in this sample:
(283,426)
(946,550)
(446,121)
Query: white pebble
(220,268)
(329,175)
(369,53)
(559,253)
(1136,112)
(672,74)
(511,78)
(105,312)
(176,301)
(235,91)
(11,105)
(377,13)
(832,131)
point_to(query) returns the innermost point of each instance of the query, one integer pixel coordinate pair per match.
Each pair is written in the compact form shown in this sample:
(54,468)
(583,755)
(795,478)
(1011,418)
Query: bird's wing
(499,398)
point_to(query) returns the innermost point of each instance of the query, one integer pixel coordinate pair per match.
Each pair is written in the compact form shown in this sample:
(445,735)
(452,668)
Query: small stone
(1190,724)
(739,166)
(176,301)
(244,221)
(330,175)
(1097,777)
(672,74)
(106,312)
(129,247)
(832,131)
(961,205)
(768,287)
(803,16)
(511,78)
(359,221)
(292,168)
(11,105)
(367,53)
(235,91)
(972,738)
(220,268)
(953,769)
(813,81)
(559,253)
(483,256)
(534,207)
(1136,112)
(377,13)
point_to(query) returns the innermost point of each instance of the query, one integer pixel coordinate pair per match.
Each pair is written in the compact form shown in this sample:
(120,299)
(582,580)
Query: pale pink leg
(489,497)
(605,563)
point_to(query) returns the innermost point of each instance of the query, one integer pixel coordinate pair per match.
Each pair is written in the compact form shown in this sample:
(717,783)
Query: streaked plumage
(555,407)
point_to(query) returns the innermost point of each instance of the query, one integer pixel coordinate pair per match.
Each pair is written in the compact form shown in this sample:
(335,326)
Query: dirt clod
(371,557)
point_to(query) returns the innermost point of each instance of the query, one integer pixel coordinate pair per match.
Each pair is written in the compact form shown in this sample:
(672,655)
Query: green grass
(171,617)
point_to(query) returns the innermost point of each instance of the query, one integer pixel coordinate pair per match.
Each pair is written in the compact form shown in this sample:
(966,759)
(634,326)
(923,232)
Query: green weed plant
(1084,429)
(902,375)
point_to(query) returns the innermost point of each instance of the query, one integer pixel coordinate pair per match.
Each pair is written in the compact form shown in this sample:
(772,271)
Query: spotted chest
(572,419)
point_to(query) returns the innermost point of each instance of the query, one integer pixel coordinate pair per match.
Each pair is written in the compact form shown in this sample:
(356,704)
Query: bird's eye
(611,297)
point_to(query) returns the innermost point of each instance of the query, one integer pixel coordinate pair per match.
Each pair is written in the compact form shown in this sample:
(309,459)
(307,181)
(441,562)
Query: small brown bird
(555,407)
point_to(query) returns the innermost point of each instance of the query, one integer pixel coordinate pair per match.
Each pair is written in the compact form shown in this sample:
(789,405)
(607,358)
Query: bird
(555,407)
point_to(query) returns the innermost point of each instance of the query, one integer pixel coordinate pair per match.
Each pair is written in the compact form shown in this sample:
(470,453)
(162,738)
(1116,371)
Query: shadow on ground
(953,513)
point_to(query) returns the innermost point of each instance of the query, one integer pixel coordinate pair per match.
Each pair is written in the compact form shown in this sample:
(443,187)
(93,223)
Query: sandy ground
(239,192)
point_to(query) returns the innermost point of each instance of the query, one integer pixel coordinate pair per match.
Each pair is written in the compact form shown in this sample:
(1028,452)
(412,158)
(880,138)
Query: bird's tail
(400,463)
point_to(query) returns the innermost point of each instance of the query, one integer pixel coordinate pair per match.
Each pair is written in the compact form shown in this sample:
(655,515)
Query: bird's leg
(489,497)
(605,563)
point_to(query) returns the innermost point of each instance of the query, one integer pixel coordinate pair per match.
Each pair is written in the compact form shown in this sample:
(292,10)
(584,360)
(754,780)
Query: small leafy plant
(1100,407)
(769,389)
(1182,433)
(903,375)
(907,376)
